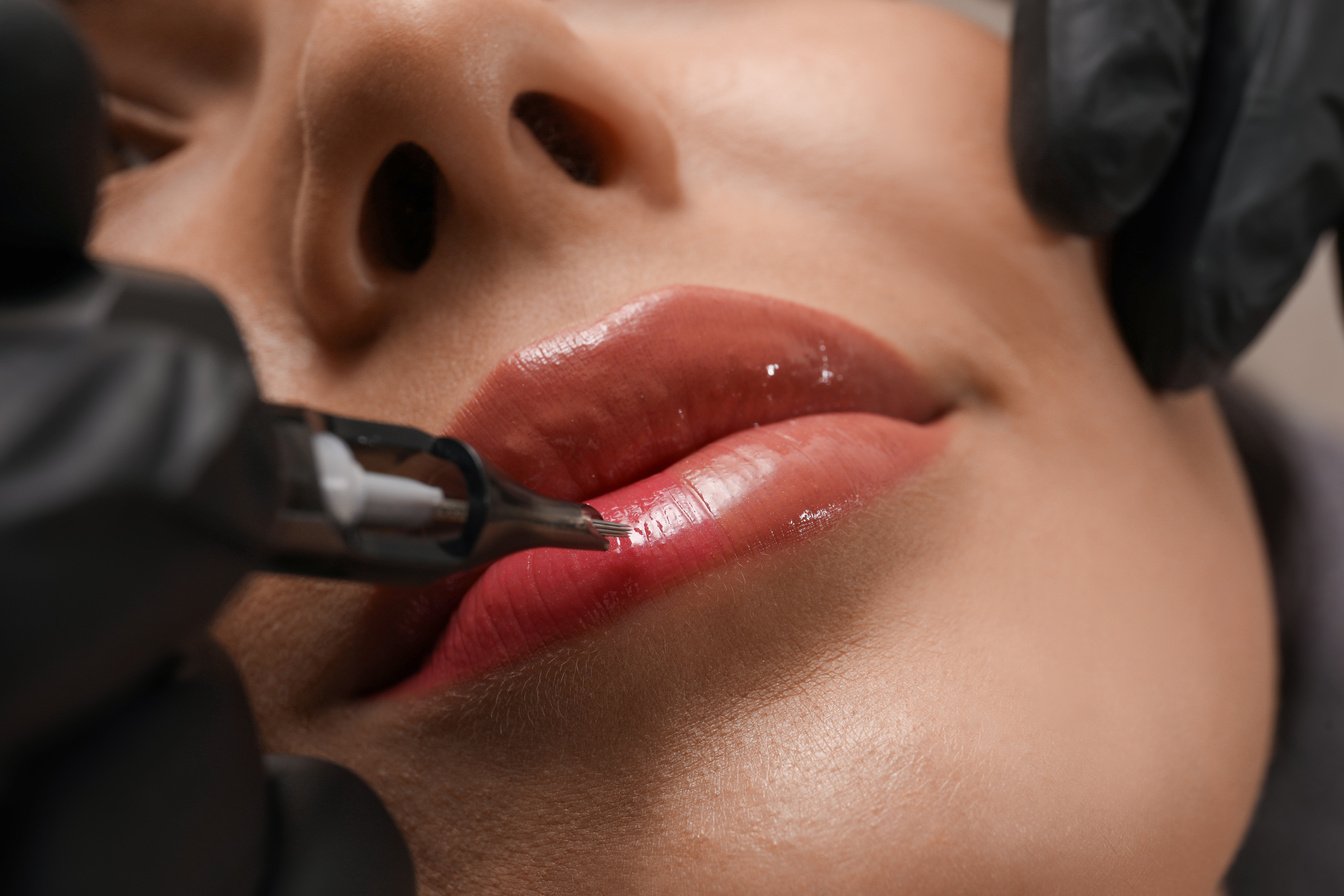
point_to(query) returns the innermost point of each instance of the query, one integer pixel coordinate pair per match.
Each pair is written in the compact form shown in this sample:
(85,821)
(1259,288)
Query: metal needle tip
(612,530)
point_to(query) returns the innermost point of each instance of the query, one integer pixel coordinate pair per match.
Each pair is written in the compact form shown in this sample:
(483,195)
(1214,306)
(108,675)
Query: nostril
(400,221)
(578,143)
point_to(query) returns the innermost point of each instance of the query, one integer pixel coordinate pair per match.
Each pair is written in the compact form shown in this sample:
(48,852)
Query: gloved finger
(49,178)
(163,797)
(330,834)
(1200,272)
(106,434)
(1102,93)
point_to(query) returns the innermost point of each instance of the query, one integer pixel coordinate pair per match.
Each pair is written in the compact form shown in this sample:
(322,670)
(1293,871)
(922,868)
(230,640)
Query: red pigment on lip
(720,425)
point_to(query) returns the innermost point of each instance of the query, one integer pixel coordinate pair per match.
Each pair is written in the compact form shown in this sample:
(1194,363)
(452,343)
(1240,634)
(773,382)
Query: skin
(1044,667)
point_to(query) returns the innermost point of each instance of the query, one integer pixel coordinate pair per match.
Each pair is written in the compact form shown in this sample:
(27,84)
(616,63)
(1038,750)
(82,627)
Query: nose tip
(374,187)
(410,118)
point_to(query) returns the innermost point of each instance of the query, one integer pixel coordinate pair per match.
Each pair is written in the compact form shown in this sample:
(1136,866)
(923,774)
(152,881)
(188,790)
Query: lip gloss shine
(719,425)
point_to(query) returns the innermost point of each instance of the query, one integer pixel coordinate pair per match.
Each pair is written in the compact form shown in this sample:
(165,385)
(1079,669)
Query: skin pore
(1044,665)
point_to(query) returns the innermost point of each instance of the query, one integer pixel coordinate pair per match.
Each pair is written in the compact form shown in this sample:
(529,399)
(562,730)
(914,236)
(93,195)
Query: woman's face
(1019,642)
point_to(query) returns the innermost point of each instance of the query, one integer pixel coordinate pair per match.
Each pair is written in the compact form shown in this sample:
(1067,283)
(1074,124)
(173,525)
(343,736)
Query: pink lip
(718,424)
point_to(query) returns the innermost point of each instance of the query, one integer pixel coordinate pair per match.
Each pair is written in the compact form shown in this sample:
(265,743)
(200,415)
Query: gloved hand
(133,496)
(1206,138)
(136,489)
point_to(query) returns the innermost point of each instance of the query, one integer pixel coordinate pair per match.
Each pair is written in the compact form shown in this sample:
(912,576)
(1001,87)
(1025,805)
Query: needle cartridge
(374,502)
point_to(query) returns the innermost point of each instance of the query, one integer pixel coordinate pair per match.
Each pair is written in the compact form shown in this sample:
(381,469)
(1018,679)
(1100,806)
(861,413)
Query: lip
(718,424)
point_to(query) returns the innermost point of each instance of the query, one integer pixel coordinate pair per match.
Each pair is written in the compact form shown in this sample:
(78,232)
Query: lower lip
(752,493)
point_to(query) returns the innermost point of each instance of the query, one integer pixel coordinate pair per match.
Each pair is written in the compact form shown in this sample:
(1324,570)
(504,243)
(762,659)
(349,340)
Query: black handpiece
(1206,138)
(134,493)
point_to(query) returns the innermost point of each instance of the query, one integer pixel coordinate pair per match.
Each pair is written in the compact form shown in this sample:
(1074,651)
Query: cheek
(142,211)
(1101,662)
(879,138)
(896,110)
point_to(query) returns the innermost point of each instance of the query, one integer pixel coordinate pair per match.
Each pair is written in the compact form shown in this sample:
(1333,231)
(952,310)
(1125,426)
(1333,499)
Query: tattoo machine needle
(373,502)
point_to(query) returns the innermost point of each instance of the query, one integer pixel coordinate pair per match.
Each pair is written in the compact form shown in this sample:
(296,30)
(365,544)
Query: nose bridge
(387,65)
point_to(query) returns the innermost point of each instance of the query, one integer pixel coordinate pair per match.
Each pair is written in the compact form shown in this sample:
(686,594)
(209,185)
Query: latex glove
(1207,138)
(136,487)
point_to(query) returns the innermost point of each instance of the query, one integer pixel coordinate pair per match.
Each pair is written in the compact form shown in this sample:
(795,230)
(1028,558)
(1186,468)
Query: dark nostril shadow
(399,224)
(578,143)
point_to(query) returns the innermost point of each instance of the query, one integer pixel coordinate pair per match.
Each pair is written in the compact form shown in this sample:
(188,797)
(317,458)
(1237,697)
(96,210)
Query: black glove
(1206,137)
(136,489)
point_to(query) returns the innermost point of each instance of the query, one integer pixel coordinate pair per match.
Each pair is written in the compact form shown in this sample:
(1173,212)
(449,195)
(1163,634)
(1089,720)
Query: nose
(435,132)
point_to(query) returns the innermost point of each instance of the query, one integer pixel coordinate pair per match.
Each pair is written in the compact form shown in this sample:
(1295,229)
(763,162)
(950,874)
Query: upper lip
(587,411)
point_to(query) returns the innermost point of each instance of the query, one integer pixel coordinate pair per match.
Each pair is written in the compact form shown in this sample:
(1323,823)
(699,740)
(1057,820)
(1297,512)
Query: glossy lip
(719,424)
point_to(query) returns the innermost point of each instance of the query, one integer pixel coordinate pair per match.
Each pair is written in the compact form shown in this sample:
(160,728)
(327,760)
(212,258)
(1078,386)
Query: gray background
(1300,360)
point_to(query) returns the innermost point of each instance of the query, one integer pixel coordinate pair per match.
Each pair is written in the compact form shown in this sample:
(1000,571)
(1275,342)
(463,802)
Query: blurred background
(1299,361)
